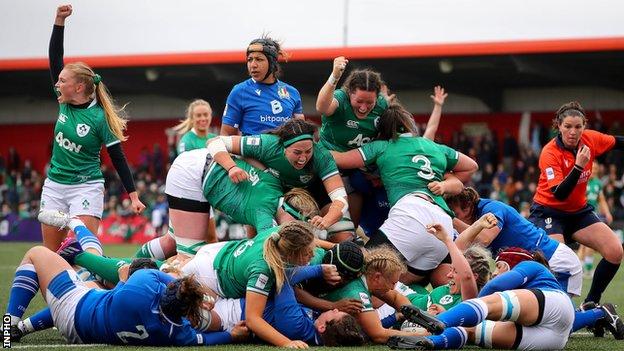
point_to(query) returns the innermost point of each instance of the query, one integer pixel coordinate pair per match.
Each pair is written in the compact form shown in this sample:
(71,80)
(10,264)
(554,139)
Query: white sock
(75,222)
(156,250)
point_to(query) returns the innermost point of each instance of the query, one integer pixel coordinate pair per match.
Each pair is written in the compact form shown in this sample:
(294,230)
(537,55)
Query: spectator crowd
(508,172)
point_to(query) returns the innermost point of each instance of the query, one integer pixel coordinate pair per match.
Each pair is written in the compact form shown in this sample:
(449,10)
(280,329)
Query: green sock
(143,252)
(151,249)
(105,267)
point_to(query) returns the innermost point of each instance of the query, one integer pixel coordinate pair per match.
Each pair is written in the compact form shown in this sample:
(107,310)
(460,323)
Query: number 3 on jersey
(425,170)
(359,141)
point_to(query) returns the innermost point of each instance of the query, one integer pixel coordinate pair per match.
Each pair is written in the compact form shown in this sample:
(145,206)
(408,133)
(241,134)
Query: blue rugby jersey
(254,107)
(515,230)
(129,314)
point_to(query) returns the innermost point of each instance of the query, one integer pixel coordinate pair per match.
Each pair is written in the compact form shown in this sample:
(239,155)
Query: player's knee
(613,254)
(510,310)
(167,243)
(38,251)
(35,253)
(483,334)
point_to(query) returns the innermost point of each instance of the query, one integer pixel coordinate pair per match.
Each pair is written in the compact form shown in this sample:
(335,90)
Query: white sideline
(55,346)
(583,333)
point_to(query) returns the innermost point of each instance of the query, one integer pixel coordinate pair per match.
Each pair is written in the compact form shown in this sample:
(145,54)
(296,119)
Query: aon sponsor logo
(359,140)
(66,143)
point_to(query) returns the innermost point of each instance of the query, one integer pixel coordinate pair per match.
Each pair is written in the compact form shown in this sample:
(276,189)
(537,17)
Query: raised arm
(464,274)
(55,50)
(325,102)
(438,97)
(483,230)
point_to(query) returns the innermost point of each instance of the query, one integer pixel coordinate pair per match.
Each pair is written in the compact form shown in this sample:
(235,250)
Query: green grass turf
(12,253)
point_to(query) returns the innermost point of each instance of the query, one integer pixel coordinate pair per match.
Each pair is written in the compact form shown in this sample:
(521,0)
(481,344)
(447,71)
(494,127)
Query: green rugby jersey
(267,149)
(594,187)
(79,134)
(191,141)
(241,267)
(355,289)
(408,164)
(442,296)
(343,130)
(418,297)
(252,202)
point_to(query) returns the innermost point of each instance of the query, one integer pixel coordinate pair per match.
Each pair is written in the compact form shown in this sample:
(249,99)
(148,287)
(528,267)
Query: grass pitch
(12,253)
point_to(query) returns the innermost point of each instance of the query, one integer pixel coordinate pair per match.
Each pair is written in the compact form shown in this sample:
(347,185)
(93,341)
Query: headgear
(269,48)
(348,259)
(514,255)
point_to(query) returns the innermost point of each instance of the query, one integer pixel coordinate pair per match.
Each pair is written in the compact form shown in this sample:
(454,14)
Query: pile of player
(303,277)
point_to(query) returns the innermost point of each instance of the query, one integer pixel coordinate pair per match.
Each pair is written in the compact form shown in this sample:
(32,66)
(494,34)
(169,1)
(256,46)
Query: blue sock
(451,338)
(584,319)
(87,239)
(466,314)
(25,287)
(39,321)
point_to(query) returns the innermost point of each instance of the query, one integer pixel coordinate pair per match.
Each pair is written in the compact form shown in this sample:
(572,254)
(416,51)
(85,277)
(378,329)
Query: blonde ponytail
(187,123)
(289,243)
(115,117)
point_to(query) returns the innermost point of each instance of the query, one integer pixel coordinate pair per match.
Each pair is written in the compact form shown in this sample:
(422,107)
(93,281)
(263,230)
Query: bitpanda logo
(66,143)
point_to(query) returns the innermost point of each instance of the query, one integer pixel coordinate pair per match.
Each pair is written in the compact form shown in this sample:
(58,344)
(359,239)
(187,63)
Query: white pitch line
(55,346)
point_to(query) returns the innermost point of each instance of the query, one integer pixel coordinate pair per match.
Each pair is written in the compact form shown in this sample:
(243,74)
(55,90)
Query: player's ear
(80,87)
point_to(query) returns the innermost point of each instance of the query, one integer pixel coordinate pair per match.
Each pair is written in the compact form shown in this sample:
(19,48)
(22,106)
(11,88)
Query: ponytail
(187,123)
(115,117)
(288,244)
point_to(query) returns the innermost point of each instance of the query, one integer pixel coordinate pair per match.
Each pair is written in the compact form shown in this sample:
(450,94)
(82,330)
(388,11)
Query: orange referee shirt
(555,164)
